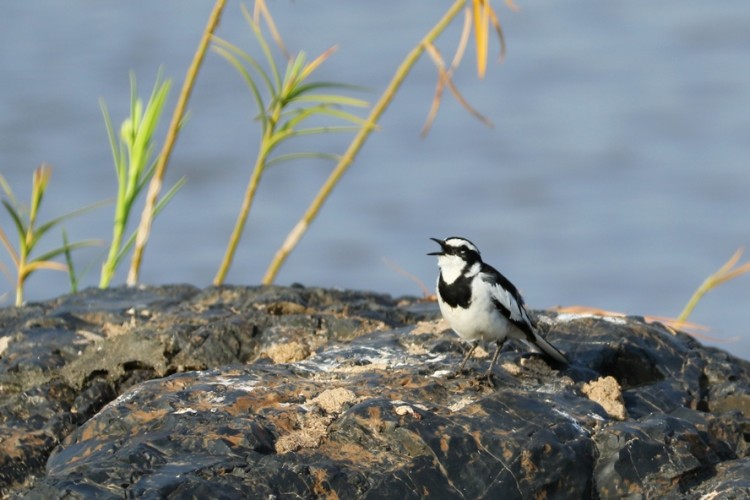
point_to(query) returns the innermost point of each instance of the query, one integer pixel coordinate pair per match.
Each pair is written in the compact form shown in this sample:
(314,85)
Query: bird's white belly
(478,322)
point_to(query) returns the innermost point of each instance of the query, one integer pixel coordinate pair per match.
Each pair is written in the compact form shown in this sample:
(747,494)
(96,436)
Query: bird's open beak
(442,247)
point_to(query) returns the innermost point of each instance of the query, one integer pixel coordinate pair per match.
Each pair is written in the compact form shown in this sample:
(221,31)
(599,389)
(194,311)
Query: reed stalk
(157,180)
(370,123)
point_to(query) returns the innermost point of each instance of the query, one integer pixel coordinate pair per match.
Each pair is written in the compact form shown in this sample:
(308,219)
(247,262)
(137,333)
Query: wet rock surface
(177,392)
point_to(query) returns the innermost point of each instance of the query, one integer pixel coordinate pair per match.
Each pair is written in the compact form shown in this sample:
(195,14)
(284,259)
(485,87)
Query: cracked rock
(172,392)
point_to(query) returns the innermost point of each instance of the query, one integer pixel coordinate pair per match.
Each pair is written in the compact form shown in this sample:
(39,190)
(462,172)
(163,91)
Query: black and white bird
(481,304)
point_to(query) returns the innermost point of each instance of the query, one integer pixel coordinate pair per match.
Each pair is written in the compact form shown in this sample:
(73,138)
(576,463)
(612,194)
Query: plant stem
(403,70)
(239,226)
(154,188)
(707,285)
(269,131)
(726,272)
(21,278)
(108,268)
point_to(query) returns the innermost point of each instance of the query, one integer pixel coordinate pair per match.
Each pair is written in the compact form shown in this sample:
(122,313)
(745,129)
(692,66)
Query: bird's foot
(487,378)
(457,373)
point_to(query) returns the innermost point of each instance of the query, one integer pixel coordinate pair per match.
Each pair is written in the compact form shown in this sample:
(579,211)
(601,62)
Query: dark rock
(63,360)
(172,392)
(731,480)
(651,456)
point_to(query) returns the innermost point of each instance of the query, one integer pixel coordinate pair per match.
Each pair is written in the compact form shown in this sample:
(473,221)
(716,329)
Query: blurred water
(616,174)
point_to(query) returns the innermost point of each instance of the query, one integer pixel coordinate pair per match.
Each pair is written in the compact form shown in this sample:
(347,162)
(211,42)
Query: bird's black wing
(508,300)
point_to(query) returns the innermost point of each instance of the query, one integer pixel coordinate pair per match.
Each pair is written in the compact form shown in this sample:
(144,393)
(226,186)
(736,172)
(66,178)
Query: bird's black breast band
(458,293)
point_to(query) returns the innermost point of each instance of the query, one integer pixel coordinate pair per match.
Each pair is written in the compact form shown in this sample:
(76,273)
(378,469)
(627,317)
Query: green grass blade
(38,188)
(17,220)
(69,261)
(301,156)
(41,264)
(169,195)
(264,46)
(8,191)
(48,256)
(145,121)
(304,88)
(332,99)
(293,70)
(276,139)
(146,177)
(117,154)
(305,113)
(249,82)
(222,46)
(41,230)
(324,130)
(157,209)
(153,113)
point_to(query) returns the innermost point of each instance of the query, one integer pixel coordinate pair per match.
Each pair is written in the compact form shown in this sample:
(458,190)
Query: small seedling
(30,233)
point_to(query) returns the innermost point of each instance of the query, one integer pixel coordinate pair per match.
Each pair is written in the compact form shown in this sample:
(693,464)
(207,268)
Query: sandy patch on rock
(607,392)
(288,352)
(333,400)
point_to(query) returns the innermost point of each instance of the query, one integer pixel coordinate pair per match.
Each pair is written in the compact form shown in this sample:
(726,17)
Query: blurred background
(616,174)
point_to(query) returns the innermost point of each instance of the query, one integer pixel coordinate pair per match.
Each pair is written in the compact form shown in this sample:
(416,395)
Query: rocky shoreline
(231,392)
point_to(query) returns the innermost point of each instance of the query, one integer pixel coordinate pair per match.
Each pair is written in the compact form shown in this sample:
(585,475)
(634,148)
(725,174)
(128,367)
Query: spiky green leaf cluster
(134,160)
(285,103)
(29,233)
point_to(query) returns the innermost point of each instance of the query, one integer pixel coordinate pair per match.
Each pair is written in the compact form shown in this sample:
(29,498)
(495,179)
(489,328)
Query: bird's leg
(468,355)
(499,347)
(488,375)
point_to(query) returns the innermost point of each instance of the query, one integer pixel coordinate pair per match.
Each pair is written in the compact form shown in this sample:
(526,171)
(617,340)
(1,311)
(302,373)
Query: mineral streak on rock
(176,392)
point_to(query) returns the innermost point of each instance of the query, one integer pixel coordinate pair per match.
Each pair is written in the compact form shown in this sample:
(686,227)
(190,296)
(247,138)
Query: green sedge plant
(286,104)
(481,16)
(134,166)
(30,233)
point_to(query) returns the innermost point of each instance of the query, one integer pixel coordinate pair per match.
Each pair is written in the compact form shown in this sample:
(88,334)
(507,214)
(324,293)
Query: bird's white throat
(452,267)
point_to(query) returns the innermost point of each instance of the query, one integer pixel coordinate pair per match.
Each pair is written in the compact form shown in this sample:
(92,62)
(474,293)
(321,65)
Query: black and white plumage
(481,304)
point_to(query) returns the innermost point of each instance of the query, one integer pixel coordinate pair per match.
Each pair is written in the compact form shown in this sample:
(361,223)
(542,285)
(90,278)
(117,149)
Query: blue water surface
(616,175)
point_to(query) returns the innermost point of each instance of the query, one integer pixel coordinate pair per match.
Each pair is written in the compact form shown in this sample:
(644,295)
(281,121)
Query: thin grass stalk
(725,273)
(239,226)
(157,180)
(110,264)
(269,140)
(705,287)
(370,124)
(20,278)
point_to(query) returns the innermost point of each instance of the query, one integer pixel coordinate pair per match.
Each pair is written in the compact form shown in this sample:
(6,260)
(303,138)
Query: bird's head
(456,256)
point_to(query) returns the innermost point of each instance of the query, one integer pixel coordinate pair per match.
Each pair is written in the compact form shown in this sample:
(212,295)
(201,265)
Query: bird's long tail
(548,349)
